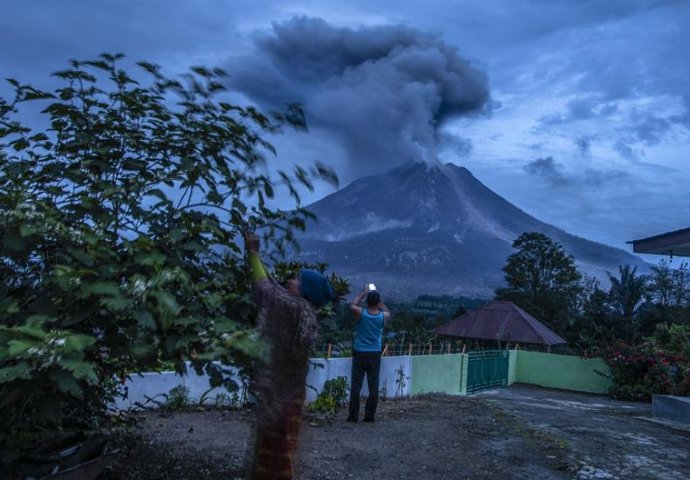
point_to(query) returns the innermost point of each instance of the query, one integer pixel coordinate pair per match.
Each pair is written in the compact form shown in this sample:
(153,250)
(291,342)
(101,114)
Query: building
(500,323)
(676,243)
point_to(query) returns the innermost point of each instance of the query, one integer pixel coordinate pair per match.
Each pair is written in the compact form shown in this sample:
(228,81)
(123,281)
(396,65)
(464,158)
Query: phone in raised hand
(371,287)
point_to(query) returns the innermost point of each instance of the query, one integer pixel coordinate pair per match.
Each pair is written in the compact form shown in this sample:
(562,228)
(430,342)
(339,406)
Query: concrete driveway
(611,439)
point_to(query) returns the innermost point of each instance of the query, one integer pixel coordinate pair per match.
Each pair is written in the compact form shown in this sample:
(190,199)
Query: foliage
(542,279)
(336,388)
(117,234)
(332,397)
(637,372)
(324,404)
(625,298)
(674,339)
(400,381)
(177,399)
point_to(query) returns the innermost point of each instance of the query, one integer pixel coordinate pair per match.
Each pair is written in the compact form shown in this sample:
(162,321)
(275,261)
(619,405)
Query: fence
(394,349)
(437,347)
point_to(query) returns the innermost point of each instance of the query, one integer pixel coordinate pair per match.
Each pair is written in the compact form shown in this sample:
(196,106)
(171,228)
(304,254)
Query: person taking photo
(366,355)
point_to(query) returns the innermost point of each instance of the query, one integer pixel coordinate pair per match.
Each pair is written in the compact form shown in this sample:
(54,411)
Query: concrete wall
(561,371)
(439,373)
(395,375)
(401,376)
(155,385)
(512,365)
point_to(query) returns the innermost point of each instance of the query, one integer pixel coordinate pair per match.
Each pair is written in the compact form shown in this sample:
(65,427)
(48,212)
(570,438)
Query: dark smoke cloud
(381,92)
(549,169)
(552,171)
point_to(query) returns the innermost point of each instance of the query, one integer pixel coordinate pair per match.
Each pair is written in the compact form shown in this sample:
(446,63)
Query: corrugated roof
(502,321)
(670,243)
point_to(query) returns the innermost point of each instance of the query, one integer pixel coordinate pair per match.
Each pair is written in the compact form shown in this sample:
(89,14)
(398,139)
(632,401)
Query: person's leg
(373,370)
(356,379)
(275,443)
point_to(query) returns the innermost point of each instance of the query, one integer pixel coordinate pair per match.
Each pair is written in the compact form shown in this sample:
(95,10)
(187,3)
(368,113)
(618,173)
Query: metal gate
(487,369)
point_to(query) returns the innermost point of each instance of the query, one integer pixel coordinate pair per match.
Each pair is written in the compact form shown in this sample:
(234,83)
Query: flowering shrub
(637,372)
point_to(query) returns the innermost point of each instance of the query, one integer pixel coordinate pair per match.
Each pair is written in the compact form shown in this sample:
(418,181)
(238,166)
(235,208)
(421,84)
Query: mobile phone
(371,287)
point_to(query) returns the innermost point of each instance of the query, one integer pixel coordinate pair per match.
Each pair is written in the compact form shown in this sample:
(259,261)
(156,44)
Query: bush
(637,372)
(332,397)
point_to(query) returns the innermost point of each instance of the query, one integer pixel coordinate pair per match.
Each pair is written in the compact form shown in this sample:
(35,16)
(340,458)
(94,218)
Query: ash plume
(381,92)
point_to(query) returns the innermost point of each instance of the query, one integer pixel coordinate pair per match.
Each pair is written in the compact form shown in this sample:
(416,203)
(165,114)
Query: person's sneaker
(351,419)
(369,419)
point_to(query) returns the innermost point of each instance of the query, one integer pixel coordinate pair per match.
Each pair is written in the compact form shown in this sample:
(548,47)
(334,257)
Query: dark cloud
(549,169)
(628,152)
(553,173)
(583,145)
(381,92)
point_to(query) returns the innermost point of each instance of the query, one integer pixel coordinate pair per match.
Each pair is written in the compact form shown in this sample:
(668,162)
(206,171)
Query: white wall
(154,384)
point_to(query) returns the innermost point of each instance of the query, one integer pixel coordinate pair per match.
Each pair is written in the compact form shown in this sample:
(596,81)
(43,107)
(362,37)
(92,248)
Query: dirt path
(615,440)
(423,438)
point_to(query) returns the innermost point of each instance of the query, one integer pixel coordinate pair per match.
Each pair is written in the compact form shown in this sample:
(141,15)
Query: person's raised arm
(354,304)
(251,245)
(386,314)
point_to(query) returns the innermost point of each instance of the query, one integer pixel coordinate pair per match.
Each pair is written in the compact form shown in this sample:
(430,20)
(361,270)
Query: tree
(626,295)
(542,279)
(117,234)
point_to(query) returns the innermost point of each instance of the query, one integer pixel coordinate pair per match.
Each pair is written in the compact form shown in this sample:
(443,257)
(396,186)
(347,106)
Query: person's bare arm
(386,314)
(354,304)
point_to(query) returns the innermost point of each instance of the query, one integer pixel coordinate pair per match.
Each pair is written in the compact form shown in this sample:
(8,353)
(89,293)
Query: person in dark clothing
(366,355)
(287,322)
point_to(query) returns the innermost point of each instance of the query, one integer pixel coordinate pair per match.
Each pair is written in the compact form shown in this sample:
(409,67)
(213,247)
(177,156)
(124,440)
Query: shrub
(332,397)
(637,372)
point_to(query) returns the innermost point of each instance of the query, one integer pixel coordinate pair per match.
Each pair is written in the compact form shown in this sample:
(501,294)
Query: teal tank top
(369,332)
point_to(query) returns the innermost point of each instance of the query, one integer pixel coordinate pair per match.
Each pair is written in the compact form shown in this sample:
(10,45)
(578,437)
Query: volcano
(432,229)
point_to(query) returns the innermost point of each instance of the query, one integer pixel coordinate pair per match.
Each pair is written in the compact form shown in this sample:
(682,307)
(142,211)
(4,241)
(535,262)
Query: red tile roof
(502,321)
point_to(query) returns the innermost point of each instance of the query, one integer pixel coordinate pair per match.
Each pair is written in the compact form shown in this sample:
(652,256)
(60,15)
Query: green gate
(487,369)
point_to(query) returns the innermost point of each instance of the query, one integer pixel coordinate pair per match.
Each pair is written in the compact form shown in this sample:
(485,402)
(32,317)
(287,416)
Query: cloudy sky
(577,111)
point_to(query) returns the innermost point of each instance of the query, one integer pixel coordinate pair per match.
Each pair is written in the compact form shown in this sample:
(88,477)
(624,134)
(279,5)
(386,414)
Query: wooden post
(448,347)
(330,350)
(409,350)
(464,347)
(385,351)
(429,348)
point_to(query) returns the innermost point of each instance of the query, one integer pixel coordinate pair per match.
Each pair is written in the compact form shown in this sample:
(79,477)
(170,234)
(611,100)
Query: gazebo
(502,322)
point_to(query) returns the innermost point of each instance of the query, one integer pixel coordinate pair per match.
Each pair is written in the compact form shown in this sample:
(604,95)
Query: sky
(576,111)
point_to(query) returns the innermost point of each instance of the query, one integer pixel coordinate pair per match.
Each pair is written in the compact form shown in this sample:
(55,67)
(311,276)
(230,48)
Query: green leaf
(143,350)
(78,343)
(80,256)
(8,306)
(167,301)
(152,259)
(102,288)
(33,331)
(145,319)
(19,347)
(117,304)
(20,371)
(80,369)
(66,383)
(27,229)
